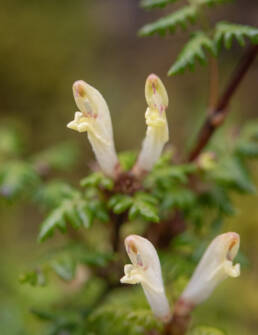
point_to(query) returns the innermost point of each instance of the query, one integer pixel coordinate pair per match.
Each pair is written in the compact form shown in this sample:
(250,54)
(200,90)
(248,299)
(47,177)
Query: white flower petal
(94,118)
(215,266)
(145,269)
(157,131)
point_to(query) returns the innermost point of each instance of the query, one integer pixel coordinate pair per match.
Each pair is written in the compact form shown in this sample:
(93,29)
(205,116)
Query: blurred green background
(45,46)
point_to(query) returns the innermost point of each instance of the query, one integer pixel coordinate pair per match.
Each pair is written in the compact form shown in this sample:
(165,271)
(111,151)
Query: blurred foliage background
(45,46)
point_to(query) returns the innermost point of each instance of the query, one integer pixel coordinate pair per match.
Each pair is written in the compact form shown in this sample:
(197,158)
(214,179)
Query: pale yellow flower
(157,128)
(94,118)
(145,269)
(214,267)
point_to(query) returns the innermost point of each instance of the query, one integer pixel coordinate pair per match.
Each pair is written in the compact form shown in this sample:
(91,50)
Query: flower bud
(215,266)
(94,118)
(155,93)
(157,128)
(207,161)
(145,269)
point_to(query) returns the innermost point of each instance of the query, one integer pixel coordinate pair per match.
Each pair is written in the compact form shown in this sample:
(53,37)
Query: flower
(145,269)
(215,266)
(157,131)
(94,118)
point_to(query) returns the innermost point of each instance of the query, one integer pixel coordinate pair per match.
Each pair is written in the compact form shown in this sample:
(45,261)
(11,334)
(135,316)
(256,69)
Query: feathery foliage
(182,18)
(225,32)
(192,51)
(210,37)
(155,3)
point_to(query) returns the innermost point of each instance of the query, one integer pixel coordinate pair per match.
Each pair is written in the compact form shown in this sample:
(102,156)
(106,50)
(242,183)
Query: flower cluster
(94,117)
(214,267)
(216,264)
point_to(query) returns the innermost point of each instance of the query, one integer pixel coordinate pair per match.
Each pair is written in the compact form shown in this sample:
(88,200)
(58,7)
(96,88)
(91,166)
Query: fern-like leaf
(17,178)
(193,50)
(75,211)
(226,32)
(155,3)
(212,2)
(204,330)
(122,320)
(168,23)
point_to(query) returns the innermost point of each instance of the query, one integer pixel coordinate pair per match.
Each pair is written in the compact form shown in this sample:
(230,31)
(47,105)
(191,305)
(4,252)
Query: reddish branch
(162,233)
(217,115)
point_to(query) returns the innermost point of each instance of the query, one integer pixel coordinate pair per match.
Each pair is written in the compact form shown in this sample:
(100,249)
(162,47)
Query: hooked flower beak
(215,266)
(94,118)
(157,128)
(145,269)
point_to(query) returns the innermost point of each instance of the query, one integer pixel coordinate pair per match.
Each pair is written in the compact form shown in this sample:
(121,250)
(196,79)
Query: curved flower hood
(215,266)
(94,118)
(145,269)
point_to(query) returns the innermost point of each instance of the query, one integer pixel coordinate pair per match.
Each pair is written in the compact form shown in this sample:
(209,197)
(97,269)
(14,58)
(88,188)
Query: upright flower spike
(145,269)
(94,118)
(215,266)
(157,128)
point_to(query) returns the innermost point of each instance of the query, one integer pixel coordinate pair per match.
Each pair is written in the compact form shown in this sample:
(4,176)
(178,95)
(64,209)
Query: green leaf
(165,176)
(54,220)
(232,173)
(63,320)
(50,195)
(194,49)
(226,32)
(17,178)
(11,141)
(212,2)
(63,261)
(34,278)
(247,149)
(119,320)
(218,198)
(119,203)
(85,213)
(127,159)
(203,330)
(95,258)
(64,267)
(181,198)
(145,206)
(77,212)
(99,210)
(61,157)
(97,179)
(182,17)
(155,3)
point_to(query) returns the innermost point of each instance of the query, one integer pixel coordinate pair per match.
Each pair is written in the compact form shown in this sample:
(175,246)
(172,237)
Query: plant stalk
(218,114)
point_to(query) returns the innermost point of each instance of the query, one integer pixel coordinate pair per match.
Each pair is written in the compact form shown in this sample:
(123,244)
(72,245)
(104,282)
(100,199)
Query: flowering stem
(217,116)
(117,223)
(178,325)
(161,236)
(214,83)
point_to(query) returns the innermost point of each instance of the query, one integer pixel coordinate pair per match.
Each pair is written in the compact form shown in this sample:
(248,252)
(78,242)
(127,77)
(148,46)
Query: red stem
(217,116)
